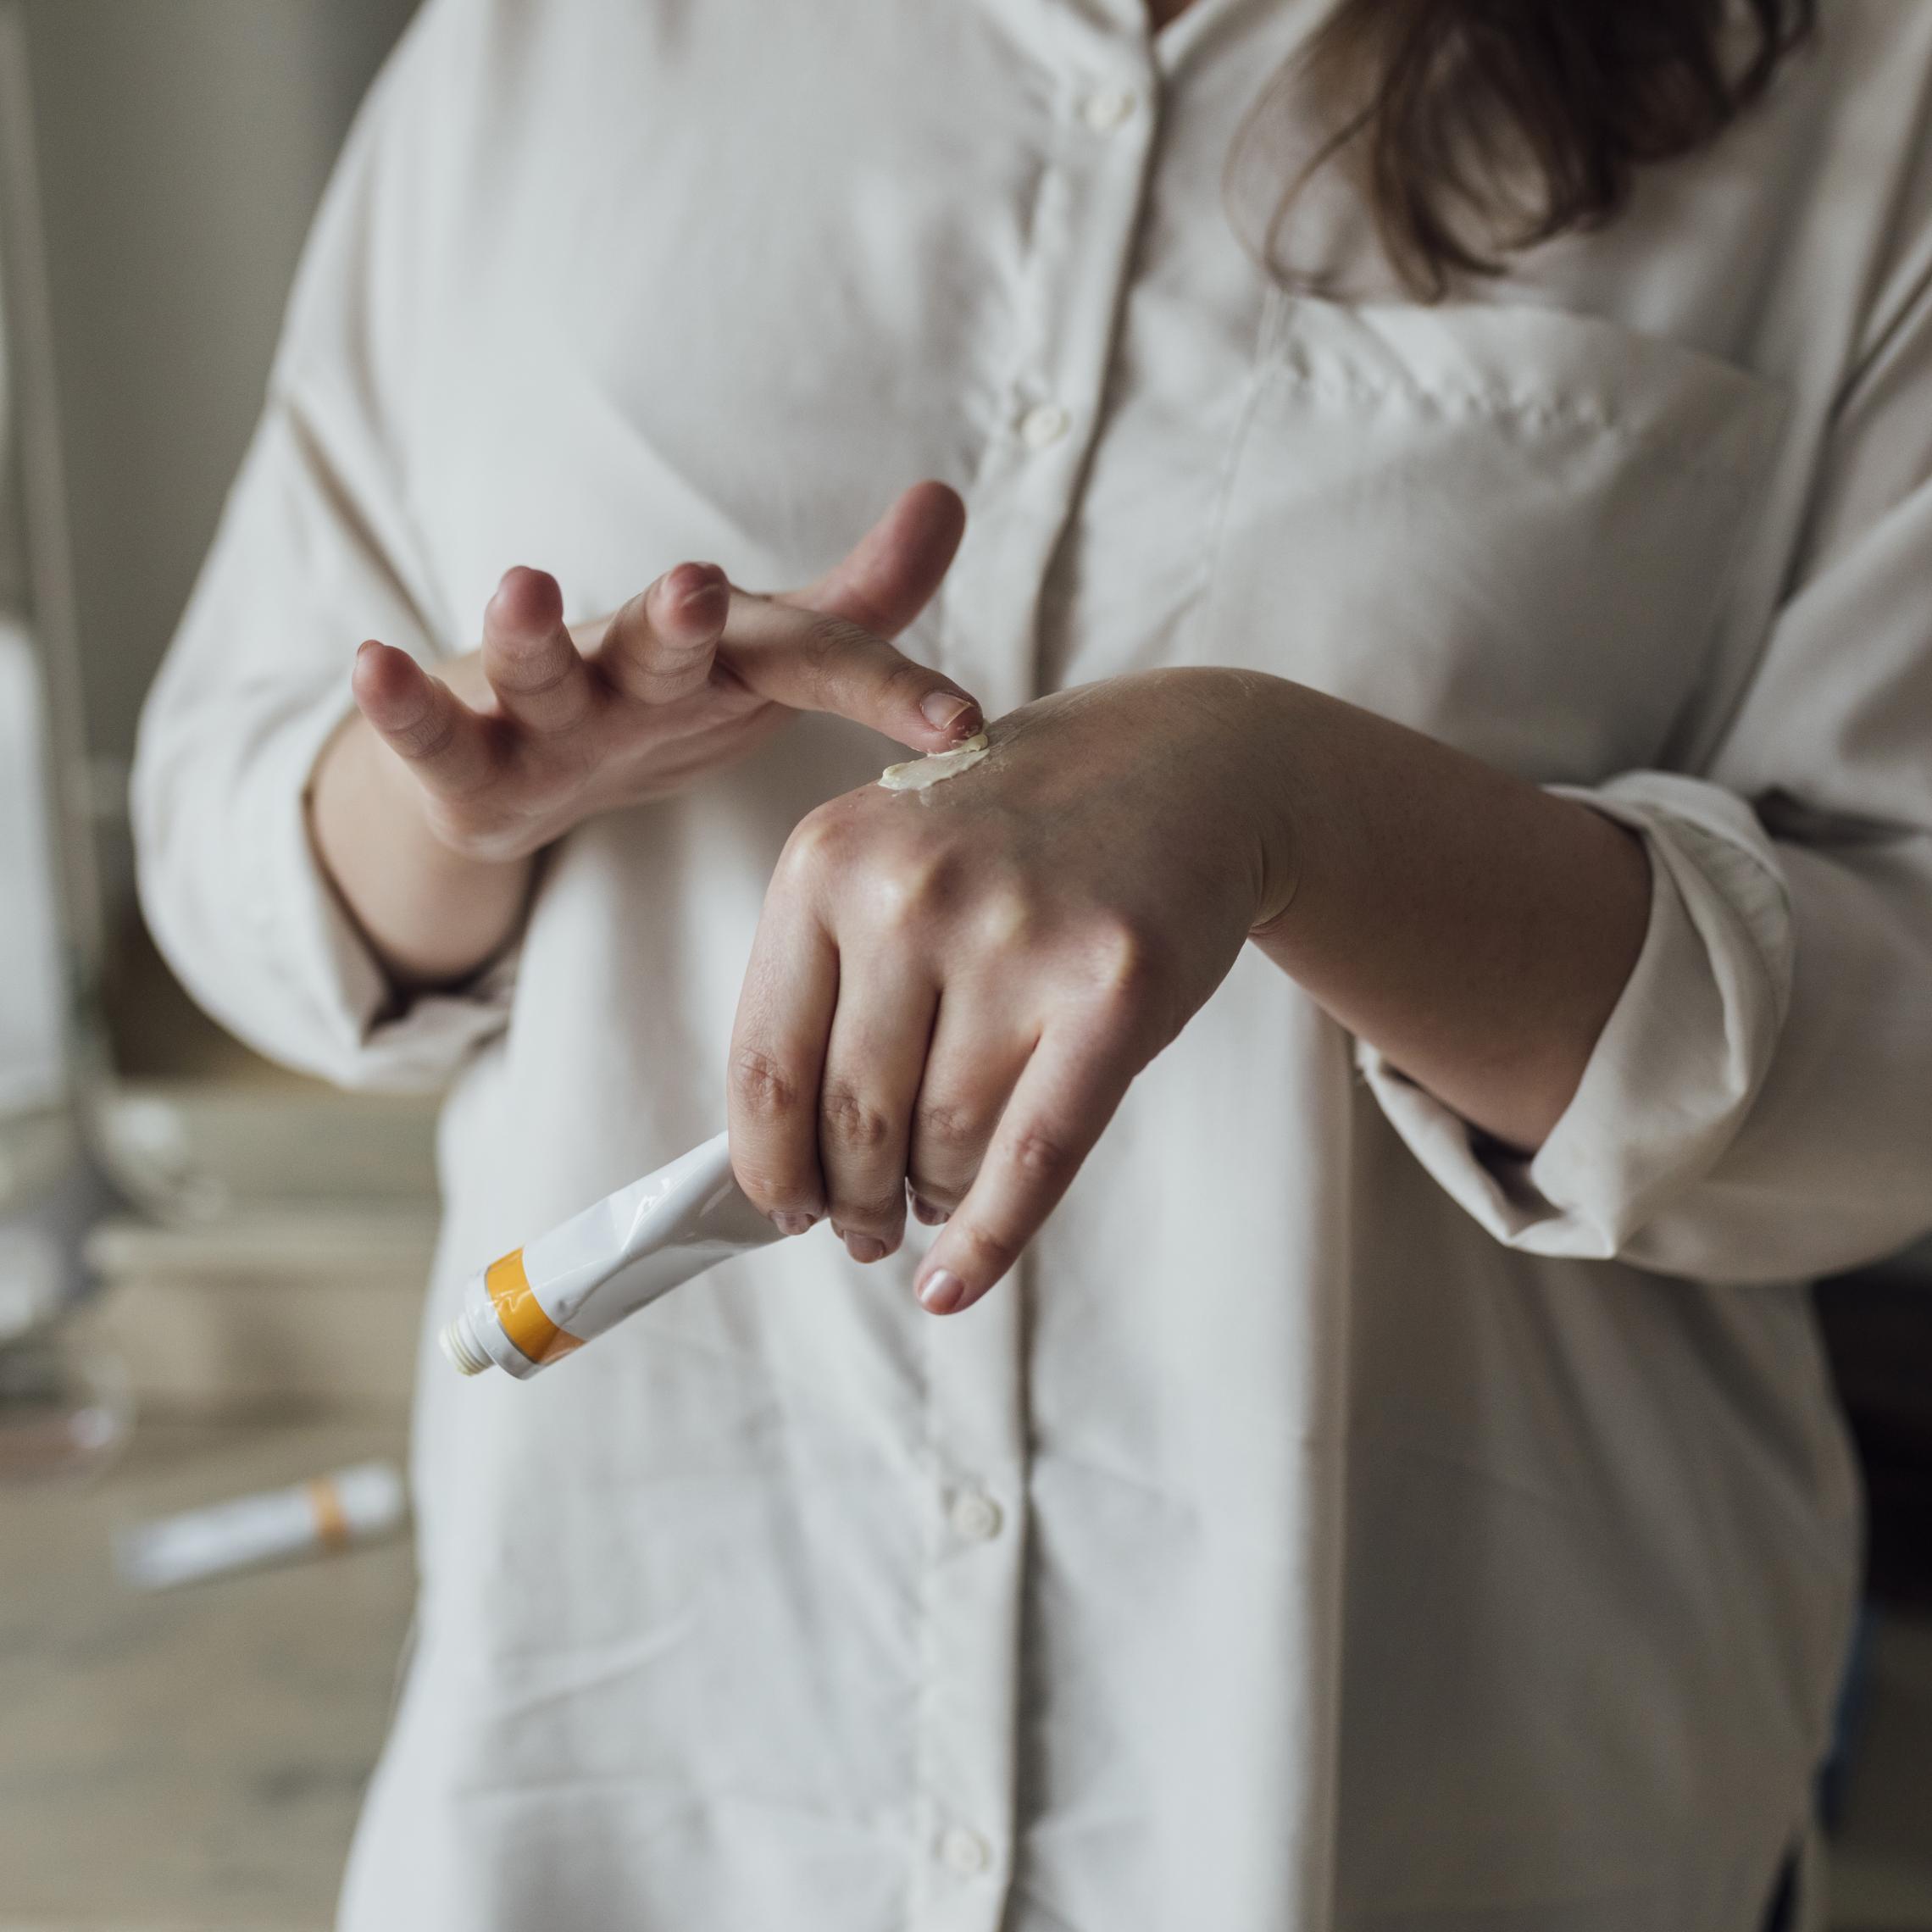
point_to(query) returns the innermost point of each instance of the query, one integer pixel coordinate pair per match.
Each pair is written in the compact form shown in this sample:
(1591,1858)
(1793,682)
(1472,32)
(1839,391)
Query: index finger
(814,662)
(778,1053)
(1072,1087)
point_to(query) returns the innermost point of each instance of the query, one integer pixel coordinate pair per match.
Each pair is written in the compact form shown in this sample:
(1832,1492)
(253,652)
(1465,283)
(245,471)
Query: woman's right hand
(545,727)
(429,807)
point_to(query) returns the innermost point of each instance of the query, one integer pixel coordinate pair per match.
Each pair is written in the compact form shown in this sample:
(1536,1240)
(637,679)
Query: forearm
(1474,928)
(433,916)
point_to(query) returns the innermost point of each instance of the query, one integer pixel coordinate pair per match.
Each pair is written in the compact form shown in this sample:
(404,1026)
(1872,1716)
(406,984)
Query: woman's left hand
(952,989)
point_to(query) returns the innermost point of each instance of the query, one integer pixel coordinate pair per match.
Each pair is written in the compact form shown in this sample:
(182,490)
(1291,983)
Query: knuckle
(826,641)
(776,1193)
(665,656)
(851,1120)
(761,1085)
(868,1213)
(644,662)
(907,891)
(1005,917)
(951,1131)
(1123,966)
(990,1254)
(429,736)
(532,669)
(847,659)
(1042,1157)
(818,844)
(935,1194)
(1120,953)
(899,677)
(464,781)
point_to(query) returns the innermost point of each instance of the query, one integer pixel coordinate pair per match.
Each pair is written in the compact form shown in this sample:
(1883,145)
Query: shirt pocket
(1512,528)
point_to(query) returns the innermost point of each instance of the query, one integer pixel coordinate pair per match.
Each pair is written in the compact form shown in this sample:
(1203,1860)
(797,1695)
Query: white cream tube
(350,1505)
(554,1294)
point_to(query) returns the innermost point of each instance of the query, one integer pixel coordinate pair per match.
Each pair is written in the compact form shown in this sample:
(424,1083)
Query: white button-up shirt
(1333,1523)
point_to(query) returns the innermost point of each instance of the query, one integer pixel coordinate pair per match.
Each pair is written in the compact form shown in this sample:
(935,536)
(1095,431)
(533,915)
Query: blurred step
(36,1150)
(277,1315)
(201,1150)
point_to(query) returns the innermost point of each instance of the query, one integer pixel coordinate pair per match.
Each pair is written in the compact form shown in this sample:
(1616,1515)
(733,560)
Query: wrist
(1260,724)
(1282,847)
(431,913)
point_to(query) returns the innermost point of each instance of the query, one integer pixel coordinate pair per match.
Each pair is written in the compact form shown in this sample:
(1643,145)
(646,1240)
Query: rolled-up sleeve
(316,551)
(1759,1104)
(1679,1064)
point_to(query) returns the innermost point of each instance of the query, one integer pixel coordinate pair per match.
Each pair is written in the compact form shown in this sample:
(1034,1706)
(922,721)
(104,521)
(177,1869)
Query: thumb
(888,577)
(824,648)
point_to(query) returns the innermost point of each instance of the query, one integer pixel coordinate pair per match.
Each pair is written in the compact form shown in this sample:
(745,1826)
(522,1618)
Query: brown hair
(1475,129)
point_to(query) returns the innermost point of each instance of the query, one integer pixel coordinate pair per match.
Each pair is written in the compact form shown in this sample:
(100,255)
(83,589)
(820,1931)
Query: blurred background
(188,1237)
(187,1234)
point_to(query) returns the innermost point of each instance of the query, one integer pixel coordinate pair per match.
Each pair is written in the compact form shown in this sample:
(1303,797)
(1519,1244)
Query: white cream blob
(917,774)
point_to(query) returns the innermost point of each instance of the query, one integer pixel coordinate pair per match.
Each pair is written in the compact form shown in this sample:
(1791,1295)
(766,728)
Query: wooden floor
(193,1761)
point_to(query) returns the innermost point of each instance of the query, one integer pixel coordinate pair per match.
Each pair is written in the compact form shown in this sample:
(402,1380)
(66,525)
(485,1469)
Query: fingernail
(924,1211)
(864,1248)
(947,711)
(790,1221)
(941,1293)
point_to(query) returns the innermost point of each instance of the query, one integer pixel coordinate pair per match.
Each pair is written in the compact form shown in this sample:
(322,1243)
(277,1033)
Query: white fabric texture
(1384,1533)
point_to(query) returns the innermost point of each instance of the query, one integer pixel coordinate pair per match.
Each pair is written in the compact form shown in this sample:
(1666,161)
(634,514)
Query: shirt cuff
(362,1036)
(1677,1067)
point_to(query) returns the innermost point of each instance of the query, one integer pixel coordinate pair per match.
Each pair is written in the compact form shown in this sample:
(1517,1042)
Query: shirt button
(1108,108)
(965,1852)
(975,1516)
(1044,425)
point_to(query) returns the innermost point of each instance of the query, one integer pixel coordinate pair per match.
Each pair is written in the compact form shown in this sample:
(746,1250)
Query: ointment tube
(540,1301)
(349,1506)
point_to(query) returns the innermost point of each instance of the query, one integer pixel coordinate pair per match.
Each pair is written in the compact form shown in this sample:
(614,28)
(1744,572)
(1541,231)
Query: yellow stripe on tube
(522,1315)
(331,1522)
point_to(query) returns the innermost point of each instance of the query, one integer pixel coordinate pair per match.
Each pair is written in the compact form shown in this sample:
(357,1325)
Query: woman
(1442,565)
